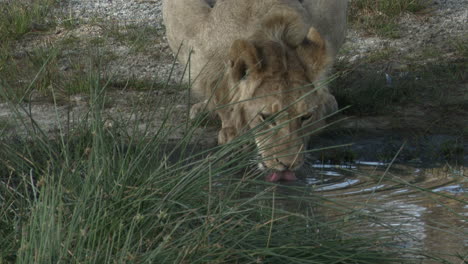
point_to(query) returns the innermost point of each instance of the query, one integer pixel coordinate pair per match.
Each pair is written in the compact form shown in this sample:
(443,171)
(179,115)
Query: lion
(260,64)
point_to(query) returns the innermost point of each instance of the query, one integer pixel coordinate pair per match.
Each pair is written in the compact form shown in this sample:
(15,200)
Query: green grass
(59,66)
(390,8)
(380,16)
(32,70)
(382,55)
(97,196)
(137,84)
(138,37)
(5,125)
(69,21)
(18,18)
(102,194)
(45,70)
(460,45)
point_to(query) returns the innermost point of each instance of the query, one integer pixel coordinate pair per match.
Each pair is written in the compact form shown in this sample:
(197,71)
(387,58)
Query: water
(425,208)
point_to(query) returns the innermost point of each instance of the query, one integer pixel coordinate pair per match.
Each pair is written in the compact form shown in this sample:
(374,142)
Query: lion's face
(283,113)
(271,92)
(278,121)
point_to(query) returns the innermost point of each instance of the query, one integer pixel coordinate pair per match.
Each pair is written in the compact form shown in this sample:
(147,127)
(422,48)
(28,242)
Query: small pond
(416,186)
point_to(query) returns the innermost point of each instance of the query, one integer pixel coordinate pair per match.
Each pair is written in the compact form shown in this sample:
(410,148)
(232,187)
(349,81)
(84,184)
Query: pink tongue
(281,175)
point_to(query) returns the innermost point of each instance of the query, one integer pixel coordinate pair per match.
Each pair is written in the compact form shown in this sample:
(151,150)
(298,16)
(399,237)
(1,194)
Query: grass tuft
(136,36)
(18,18)
(95,194)
(461,46)
(380,16)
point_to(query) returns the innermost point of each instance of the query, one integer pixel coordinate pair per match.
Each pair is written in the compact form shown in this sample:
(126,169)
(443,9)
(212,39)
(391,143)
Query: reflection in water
(346,183)
(455,189)
(424,208)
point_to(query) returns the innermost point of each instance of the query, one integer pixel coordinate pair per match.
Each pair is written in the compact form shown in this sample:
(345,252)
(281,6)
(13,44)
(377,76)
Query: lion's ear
(313,52)
(243,59)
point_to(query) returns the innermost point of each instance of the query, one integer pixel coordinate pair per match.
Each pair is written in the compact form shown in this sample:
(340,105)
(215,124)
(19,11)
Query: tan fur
(250,59)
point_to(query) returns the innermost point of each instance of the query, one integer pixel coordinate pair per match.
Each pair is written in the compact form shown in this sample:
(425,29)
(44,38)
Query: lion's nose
(284,166)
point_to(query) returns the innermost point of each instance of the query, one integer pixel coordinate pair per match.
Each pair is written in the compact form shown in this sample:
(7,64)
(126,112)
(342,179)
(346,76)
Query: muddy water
(433,219)
(421,199)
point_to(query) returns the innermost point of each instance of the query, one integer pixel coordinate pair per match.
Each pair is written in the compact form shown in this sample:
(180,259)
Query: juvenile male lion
(254,61)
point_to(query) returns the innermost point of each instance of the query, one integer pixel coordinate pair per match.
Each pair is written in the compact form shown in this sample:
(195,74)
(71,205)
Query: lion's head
(271,89)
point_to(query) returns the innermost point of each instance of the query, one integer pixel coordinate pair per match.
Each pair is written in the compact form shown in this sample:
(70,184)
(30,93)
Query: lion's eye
(268,117)
(306,117)
(264,116)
